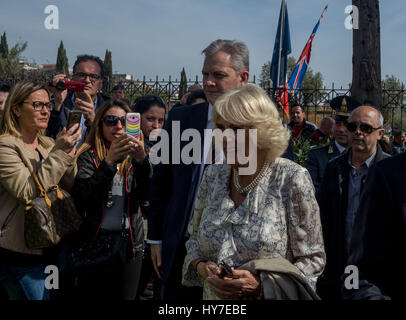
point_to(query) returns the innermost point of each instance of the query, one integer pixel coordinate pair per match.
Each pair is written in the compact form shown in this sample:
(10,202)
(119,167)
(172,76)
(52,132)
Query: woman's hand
(242,284)
(66,140)
(207,268)
(137,150)
(119,149)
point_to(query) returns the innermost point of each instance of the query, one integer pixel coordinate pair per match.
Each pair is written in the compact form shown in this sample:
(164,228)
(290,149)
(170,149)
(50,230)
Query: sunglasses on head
(111,121)
(364,127)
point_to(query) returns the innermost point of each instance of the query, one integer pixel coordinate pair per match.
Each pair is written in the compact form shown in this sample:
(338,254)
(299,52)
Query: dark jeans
(173,288)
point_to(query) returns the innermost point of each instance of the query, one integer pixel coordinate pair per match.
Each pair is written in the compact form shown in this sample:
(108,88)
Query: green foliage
(301,147)
(108,76)
(3,46)
(183,84)
(62,65)
(265,77)
(9,58)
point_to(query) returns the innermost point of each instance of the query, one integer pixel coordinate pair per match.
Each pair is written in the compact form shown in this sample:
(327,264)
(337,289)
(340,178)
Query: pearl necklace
(245,190)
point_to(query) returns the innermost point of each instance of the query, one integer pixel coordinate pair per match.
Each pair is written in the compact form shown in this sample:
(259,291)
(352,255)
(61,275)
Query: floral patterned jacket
(278,218)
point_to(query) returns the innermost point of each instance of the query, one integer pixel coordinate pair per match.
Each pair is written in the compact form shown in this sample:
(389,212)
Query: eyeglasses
(39,106)
(111,121)
(83,75)
(364,127)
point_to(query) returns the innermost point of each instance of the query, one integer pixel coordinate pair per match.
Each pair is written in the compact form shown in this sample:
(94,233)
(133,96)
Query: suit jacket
(380,233)
(173,187)
(58,119)
(333,202)
(317,159)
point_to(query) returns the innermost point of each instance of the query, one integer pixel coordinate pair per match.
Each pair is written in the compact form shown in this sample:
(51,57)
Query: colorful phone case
(133,124)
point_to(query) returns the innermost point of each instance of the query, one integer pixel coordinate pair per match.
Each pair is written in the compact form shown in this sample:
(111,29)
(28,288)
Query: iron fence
(315,101)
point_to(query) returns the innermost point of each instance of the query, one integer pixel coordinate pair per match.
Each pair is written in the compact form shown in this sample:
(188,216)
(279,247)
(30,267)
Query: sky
(159,38)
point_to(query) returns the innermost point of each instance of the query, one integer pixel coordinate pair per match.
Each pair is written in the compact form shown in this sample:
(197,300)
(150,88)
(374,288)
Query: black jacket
(308,128)
(317,159)
(333,202)
(58,119)
(92,185)
(378,244)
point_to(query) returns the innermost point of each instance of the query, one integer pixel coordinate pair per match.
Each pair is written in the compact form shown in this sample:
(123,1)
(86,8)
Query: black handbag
(103,248)
(49,217)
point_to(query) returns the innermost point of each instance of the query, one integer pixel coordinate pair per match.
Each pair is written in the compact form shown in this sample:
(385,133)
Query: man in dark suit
(174,186)
(380,234)
(318,157)
(340,192)
(398,143)
(90,70)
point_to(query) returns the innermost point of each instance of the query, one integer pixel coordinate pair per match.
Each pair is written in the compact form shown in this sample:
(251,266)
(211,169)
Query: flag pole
(280,42)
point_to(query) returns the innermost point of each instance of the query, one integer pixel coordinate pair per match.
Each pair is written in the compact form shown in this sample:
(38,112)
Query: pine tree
(10,58)
(108,75)
(3,46)
(183,83)
(62,65)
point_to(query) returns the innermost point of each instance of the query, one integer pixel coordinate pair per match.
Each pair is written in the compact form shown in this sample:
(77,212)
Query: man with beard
(340,194)
(318,157)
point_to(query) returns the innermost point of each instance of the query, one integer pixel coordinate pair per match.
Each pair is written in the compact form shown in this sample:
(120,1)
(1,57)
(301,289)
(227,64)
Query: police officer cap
(342,107)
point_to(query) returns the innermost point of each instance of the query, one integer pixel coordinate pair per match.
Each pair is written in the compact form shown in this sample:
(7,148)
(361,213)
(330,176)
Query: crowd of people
(200,230)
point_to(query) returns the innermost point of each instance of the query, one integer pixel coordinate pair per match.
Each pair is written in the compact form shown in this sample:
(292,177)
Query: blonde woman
(23,150)
(241,218)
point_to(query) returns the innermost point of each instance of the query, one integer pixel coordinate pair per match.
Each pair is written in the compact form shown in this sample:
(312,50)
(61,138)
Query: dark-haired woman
(113,176)
(152,110)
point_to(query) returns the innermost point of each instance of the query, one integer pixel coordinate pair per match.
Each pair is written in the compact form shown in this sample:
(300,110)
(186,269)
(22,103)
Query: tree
(62,65)
(3,46)
(183,84)
(10,58)
(265,77)
(393,98)
(366,62)
(108,76)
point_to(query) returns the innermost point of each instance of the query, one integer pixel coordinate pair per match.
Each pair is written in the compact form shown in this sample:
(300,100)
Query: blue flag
(281,49)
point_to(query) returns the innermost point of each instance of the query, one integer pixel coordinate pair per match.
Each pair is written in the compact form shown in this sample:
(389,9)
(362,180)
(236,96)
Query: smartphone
(74,117)
(133,124)
(225,269)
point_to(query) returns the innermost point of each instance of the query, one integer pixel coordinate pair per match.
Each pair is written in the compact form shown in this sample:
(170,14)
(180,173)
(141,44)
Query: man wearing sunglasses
(88,69)
(319,156)
(340,193)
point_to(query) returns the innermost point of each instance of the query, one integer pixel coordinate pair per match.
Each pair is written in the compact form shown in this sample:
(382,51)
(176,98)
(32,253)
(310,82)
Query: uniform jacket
(317,159)
(90,190)
(333,203)
(17,187)
(379,232)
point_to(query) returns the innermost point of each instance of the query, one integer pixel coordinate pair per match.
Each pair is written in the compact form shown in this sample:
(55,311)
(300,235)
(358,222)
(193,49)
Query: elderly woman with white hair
(265,216)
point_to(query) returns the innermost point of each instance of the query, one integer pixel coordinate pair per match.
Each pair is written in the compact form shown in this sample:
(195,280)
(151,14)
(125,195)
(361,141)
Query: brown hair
(95,139)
